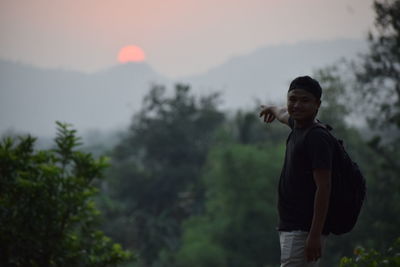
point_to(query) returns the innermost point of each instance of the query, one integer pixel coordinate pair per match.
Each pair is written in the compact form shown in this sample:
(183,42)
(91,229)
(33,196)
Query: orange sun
(131,53)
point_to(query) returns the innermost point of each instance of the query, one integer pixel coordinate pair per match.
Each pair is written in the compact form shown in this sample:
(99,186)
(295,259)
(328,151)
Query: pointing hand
(267,113)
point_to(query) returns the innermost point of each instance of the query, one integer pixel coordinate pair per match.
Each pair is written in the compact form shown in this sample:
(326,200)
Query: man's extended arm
(322,178)
(272,112)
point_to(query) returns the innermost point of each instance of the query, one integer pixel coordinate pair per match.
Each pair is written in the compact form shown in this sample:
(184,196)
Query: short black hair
(308,84)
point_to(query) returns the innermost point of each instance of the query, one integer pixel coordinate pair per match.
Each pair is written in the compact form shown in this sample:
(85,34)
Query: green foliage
(237,228)
(379,88)
(156,170)
(379,81)
(199,247)
(47,214)
(373,258)
(379,214)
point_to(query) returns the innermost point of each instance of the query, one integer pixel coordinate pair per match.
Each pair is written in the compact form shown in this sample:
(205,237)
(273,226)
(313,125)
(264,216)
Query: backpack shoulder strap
(337,142)
(319,124)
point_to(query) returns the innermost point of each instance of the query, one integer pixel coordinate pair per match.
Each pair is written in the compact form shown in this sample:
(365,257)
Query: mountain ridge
(33,98)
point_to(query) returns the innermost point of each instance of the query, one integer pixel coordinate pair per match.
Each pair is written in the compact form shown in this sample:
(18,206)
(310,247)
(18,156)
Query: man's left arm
(322,178)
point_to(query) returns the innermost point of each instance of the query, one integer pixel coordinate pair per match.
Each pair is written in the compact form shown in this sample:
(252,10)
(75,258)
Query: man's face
(302,105)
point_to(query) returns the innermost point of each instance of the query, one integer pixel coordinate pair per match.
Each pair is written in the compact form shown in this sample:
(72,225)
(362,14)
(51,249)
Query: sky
(178,37)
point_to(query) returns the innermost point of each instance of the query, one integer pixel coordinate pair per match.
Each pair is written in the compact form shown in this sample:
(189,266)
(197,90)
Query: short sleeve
(320,146)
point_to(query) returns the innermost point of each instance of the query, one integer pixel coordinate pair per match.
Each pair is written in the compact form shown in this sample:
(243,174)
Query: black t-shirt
(306,150)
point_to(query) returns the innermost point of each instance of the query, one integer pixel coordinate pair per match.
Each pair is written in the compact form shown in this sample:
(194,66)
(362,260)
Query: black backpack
(348,189)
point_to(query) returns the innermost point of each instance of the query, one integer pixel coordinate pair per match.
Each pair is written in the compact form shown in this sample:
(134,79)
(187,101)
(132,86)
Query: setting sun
(131,53)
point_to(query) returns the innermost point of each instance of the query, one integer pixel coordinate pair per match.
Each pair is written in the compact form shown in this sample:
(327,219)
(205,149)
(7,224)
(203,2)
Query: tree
(156,170)
(379,73)
(47,214)
(378,78)
(334,107)
(238,226)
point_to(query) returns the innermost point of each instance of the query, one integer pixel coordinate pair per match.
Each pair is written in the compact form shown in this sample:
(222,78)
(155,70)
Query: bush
(47,215)
(372,258)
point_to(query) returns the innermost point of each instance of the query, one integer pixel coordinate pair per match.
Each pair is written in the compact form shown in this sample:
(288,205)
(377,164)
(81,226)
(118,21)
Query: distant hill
(32,99)
(266,73)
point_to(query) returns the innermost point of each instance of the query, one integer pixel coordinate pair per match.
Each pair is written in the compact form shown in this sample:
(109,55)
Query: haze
(179,37)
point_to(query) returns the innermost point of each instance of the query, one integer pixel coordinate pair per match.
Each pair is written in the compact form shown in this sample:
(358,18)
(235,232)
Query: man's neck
(304,123)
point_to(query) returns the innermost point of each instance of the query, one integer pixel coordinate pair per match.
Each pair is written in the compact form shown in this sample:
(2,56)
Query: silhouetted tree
(157,167)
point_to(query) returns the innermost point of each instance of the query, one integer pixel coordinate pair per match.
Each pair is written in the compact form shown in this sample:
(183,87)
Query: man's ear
(319,103)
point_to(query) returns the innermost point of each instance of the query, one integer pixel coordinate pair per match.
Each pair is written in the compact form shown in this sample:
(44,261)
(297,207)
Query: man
(305,182)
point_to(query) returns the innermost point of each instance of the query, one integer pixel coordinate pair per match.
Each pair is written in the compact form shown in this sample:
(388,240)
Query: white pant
(292,249)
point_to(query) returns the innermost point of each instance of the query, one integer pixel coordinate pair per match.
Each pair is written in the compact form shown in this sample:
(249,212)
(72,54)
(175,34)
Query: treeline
(188,185)
(192,186)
